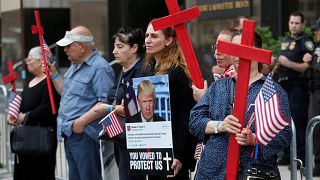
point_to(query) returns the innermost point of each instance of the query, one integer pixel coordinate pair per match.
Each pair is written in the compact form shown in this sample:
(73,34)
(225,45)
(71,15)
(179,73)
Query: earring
(42,67)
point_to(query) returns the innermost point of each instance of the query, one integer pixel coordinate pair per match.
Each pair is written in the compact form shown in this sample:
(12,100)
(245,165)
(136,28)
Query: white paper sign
(149,135)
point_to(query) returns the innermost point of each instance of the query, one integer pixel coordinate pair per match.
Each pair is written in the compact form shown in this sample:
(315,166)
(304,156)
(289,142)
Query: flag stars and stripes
(111,124)
(269,118)
(14,102)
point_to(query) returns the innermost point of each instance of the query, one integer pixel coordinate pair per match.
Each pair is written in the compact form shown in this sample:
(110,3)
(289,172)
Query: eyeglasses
(213,48)
(27,60)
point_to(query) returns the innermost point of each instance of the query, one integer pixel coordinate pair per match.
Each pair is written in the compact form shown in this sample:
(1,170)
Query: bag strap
(26,118)
(232,92)
(118,85)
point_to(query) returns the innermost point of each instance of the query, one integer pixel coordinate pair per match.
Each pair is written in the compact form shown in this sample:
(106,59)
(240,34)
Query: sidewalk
(4,175)
(285,174)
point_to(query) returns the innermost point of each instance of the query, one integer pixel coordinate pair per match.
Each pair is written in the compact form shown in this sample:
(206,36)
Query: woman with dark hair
(164,56)
(129,53)
(35,110)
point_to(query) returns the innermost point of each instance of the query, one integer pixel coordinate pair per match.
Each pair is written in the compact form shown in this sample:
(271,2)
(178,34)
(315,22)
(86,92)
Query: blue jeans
(83,157)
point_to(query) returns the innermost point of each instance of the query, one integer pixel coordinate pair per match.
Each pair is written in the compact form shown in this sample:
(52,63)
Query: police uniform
(314,104)
(295,85)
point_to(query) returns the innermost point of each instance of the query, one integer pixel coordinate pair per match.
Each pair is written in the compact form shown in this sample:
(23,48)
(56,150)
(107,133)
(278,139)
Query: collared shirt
(144,120)
(83,88)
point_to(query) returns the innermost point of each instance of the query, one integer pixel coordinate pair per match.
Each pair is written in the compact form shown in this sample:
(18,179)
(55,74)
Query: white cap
(70,38)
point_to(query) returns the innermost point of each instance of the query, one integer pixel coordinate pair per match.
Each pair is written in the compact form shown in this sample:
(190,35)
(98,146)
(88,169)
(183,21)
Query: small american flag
(47,51)
(197,153)
(14,102)
(268,115)
(111,124)
(130,100)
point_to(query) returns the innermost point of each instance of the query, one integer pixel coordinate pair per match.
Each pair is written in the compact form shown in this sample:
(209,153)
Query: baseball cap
(316,25)
(71,37)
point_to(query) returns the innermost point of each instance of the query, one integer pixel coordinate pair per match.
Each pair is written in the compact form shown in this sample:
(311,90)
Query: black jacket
(181,103)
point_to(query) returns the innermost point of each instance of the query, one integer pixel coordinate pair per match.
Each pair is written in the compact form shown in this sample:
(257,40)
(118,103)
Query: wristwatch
(215,128)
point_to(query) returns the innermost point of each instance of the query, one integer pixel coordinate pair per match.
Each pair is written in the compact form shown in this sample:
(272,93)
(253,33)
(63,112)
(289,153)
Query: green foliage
(268,42)
(307,30)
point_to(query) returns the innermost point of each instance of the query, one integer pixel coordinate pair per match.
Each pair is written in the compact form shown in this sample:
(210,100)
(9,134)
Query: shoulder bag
(32,140)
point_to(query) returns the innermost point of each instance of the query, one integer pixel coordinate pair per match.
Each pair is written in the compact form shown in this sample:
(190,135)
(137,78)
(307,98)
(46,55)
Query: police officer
(314,104)
(291,70)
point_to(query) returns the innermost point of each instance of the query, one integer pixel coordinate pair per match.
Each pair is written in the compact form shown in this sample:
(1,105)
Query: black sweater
(36,102)
(181,101)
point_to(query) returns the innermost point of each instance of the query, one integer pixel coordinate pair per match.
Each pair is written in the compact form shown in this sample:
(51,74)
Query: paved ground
(4,175)
(285,174)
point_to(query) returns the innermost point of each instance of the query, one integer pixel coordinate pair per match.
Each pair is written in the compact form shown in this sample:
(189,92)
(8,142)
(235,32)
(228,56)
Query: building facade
(105,17)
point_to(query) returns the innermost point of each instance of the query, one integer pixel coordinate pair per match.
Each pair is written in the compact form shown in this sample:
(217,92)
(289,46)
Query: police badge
(292,45)
(309,45)
(284,46)
(317,54)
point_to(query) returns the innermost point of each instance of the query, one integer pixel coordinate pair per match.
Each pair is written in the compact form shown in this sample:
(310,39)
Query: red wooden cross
(246,53)
(38,29)
(177,19)
(11,77)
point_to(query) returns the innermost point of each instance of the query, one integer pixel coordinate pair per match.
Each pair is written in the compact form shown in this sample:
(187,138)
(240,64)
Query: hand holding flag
(111,124)
(14,101)
(48,52)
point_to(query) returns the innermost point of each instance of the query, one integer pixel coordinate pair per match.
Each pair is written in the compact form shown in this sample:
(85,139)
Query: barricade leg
(309,146)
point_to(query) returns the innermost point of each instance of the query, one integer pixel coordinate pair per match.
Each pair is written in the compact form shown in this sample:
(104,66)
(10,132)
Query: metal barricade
(7,158)
(309,147)
(293,153)
(61,163)
(3,94)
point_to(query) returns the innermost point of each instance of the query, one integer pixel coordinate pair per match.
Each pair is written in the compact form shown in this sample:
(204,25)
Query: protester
(85,84)
(129,53)
(211,122)
(147,102)
(35,110)
(314,86)
(223,61)
(291,78)
(164,56)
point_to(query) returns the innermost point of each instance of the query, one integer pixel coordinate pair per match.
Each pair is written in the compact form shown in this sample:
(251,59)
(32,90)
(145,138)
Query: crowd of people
(90,89)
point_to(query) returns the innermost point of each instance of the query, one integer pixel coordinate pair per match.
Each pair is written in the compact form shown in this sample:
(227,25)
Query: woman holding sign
(129,53)
(164,56)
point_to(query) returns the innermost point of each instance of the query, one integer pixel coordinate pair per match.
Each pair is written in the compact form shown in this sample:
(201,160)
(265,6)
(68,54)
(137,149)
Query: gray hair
(90,44)
(36,53)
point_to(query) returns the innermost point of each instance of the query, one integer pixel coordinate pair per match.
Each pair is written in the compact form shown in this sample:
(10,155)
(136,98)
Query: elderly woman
(224,62)
(211,122)
(35,110)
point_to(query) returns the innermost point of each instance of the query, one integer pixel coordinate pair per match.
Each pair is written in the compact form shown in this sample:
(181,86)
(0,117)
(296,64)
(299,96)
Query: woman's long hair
(172,55)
